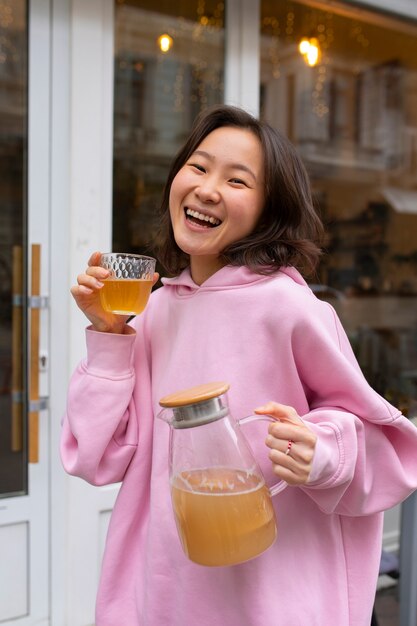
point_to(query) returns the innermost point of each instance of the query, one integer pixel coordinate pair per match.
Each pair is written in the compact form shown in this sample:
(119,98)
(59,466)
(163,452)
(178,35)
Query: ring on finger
(289,446)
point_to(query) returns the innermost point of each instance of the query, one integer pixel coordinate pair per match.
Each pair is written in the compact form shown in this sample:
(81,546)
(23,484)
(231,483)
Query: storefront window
(345,92)
(169,59)
(13,218)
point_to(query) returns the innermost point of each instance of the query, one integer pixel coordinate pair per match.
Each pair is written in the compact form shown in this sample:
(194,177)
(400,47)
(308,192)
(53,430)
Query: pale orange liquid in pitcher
(127,296)
(223,516)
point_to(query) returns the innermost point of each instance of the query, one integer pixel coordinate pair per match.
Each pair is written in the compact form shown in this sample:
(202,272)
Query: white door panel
(88,522)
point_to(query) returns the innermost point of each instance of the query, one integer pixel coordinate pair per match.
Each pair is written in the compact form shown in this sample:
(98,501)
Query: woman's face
(217,197)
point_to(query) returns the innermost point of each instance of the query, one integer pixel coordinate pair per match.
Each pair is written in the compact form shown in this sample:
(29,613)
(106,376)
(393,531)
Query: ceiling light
(304,45)
(310,50)
(165,42)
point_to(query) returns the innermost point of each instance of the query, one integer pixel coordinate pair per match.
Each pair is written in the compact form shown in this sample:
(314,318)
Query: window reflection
(13,164)
(157,95)
(353,116)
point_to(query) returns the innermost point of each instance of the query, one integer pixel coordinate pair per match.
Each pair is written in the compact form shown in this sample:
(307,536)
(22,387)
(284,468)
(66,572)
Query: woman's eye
(198,167)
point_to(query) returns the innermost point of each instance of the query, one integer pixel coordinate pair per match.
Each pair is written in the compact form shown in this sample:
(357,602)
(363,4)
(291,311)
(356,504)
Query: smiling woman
(248,176)
(227,194)
(249,316)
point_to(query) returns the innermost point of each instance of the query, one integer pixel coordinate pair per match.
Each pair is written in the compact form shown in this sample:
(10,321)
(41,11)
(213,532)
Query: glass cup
(127,289)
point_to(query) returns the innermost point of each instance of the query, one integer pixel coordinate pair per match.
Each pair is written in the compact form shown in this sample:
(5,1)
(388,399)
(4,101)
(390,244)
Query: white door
(24,210)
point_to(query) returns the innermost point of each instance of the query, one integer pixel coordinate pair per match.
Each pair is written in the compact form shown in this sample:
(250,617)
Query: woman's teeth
(203,218)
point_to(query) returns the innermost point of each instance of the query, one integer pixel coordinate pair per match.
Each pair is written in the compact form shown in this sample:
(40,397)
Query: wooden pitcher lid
(194,394)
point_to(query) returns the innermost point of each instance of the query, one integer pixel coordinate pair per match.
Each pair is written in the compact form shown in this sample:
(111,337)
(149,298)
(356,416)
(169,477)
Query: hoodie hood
(228,277)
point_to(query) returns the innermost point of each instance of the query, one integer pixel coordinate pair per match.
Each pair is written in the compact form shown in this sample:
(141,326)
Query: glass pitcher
(222,507)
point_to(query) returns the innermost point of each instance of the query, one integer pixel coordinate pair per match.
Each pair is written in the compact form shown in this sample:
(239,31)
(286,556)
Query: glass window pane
(13,166)
(169,60)
(348,99)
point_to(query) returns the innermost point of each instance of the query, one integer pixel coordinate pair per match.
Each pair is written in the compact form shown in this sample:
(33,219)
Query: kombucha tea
(127,296)
(223,516)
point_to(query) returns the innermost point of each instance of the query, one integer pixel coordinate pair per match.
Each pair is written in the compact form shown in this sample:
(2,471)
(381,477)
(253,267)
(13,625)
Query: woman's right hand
(87,296)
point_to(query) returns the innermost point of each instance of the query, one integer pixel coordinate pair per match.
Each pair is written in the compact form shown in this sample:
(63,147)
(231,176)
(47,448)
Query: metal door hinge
(39,405)
(33,302)
(34,406)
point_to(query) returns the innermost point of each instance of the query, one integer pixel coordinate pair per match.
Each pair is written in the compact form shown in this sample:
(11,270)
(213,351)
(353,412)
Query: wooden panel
(34,356)
(14,568)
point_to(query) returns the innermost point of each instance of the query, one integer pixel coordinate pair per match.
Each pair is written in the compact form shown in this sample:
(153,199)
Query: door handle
(35,404)
(33,422)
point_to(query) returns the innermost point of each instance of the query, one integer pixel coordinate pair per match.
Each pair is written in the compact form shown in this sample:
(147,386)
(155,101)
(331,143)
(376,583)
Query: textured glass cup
(126,291)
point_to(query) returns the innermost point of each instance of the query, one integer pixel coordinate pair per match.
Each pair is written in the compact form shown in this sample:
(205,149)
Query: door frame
(59,297)
(32,509)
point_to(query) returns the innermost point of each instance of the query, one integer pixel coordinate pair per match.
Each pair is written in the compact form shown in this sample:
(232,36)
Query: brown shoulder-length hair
(289,230)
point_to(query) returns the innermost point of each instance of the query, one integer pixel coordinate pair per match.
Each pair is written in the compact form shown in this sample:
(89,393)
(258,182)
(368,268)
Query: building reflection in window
(353,116)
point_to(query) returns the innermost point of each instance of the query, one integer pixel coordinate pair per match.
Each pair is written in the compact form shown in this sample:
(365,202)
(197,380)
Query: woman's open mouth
(201,219)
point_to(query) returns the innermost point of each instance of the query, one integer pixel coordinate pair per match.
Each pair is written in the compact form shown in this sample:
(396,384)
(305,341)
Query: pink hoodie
(271,339)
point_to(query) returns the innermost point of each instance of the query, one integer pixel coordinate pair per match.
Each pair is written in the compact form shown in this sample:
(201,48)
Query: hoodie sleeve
(366,455)
(99,430)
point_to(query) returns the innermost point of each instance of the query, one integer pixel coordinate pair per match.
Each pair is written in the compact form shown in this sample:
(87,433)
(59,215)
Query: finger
(284,447)
(279,445)
(280,412)
(98,272)
(278,457)
(94,259)
(301,451)
(94,268)
(298,460)
(287,430)
(292,475)
(80,290)
(89,281)
(303,439)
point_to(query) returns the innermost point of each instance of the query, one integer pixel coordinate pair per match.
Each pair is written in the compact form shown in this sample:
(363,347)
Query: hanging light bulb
(313,52)
(310,49)
(304,45)
(165,43)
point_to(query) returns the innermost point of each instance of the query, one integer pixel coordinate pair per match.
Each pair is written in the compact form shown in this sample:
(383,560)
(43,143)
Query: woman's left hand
(292,443)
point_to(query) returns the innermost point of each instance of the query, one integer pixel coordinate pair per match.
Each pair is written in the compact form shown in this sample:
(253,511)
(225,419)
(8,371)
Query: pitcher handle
(280,485)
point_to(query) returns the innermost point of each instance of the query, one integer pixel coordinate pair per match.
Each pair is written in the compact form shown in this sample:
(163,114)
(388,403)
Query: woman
(237,225)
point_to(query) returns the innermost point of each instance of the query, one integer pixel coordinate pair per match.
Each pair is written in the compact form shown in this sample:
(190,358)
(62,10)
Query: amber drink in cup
(127,289)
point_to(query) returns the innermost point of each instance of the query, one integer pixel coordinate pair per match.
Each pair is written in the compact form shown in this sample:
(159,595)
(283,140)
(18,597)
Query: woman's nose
(207,191)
